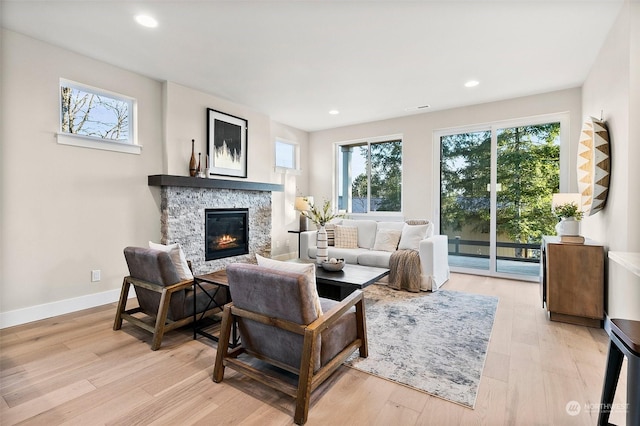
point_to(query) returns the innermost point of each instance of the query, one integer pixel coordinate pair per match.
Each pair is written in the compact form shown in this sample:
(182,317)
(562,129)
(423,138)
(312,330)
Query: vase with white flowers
(321,216)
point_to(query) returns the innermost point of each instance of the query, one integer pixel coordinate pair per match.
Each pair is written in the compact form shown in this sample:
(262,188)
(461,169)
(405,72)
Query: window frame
(296,169)
(368,142)
(130,146)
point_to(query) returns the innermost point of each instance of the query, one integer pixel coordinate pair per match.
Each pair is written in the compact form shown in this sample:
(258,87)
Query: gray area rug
(433,342)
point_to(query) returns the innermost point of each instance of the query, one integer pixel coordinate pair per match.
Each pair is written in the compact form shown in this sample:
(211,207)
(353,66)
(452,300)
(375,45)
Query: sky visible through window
(94,114)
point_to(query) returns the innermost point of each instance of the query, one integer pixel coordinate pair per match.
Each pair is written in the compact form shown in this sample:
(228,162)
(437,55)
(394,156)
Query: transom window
(96,118)
(369,176)
(286,155)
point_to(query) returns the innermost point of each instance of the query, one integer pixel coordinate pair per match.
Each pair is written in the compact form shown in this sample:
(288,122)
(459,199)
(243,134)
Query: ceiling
(371,60)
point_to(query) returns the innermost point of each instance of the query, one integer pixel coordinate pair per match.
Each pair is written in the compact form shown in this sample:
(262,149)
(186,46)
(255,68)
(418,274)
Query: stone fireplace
(184,204)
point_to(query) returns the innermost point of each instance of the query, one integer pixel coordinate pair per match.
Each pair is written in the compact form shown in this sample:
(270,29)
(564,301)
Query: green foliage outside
(527,171)
(385,161)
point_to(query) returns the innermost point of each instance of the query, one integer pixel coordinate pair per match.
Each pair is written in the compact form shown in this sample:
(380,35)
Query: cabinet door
(575,279)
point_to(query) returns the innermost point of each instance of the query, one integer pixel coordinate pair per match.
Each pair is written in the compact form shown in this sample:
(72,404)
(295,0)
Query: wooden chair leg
(122,304)
(223,344)
(161,320)
(304,379)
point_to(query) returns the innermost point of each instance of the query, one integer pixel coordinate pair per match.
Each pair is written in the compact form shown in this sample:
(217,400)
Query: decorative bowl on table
(333,265)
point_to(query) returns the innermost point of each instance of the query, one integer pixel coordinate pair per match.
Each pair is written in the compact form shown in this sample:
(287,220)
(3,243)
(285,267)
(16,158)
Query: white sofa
(433,250)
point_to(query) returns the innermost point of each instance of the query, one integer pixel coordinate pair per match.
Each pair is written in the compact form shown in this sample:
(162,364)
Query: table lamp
(302,204)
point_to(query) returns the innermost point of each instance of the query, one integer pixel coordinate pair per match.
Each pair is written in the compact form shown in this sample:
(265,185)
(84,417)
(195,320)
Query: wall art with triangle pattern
(594,165)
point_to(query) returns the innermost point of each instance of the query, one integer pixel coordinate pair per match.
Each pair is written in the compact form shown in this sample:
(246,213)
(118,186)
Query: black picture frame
(226,144)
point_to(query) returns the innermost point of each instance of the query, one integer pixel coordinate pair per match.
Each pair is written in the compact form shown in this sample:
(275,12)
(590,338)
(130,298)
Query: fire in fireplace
(226,233)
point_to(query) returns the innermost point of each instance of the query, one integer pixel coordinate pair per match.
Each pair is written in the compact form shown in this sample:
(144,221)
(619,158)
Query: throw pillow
(177,258)
(346,237)
(387,239)
(331,233)
(307,269)
(411,236)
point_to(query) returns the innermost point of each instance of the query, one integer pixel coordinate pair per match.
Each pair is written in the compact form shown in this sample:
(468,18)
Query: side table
(219,279)
(572,282)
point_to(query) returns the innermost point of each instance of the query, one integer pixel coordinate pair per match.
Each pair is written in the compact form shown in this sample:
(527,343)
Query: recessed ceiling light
(471,83)
(146,21)
(334,112)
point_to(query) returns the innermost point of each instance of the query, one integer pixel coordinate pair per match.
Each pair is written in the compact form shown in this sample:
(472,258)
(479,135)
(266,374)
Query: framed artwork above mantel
(226,144)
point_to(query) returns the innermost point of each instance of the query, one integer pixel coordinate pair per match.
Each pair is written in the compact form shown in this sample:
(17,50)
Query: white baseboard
(61,307)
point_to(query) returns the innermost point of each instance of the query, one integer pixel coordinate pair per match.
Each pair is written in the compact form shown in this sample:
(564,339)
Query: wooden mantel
(194,182)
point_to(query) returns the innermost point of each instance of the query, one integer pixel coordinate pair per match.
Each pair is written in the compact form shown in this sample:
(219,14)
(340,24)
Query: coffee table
(340,284)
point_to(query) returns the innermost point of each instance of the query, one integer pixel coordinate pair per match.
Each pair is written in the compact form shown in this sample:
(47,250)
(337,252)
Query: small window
(286,155)
(95,118)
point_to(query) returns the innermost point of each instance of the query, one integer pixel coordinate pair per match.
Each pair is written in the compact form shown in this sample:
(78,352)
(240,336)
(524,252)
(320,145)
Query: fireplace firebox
(226,233)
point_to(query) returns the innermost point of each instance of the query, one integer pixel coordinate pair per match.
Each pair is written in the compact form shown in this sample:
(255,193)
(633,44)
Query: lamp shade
(565,198)
(302,203)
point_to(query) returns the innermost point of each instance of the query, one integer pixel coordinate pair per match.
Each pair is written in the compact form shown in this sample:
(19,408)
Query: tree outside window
(91,112)
(370,177)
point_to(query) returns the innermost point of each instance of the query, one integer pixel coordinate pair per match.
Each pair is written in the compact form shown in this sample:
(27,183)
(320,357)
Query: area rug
(433,342)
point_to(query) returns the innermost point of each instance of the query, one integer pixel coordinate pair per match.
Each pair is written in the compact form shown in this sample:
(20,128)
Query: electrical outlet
(277,243)
(95,275)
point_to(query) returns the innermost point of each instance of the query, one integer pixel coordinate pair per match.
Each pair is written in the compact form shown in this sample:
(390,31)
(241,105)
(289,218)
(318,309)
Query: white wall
(613,86)
(285,218)
(419,177)
(67,210)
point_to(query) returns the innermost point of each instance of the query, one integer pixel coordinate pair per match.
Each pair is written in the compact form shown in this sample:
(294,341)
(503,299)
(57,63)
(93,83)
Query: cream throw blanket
(404,270)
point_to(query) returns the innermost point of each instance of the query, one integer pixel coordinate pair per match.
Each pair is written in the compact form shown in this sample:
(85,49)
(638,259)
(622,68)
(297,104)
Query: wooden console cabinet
(572,281)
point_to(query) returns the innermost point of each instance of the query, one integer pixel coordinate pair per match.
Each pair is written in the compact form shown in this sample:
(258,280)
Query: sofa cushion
(306,269)
(379,259)
(331,233)
(366,231)
(387,239)
(391,225)
(411,236)
(349,255)
(346,237)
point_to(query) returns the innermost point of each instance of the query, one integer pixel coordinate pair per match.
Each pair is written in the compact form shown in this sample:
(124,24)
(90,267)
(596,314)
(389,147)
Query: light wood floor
(74,369)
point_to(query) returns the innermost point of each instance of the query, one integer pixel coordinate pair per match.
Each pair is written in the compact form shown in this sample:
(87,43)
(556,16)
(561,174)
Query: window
(287,155)
(96,118)
(370,176)
(496,184)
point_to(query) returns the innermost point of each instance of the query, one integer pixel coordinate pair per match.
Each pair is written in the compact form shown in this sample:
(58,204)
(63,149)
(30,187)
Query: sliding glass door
(465,202)
(495,196)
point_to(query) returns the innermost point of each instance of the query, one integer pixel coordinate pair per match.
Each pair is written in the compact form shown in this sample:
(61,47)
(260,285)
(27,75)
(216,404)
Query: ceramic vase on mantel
(568,226)
(322,255)
(193,168)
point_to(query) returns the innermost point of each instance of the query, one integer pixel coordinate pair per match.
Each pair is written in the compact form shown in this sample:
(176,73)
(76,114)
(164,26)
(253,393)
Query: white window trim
(297,170)
(97,143)
(84,141)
